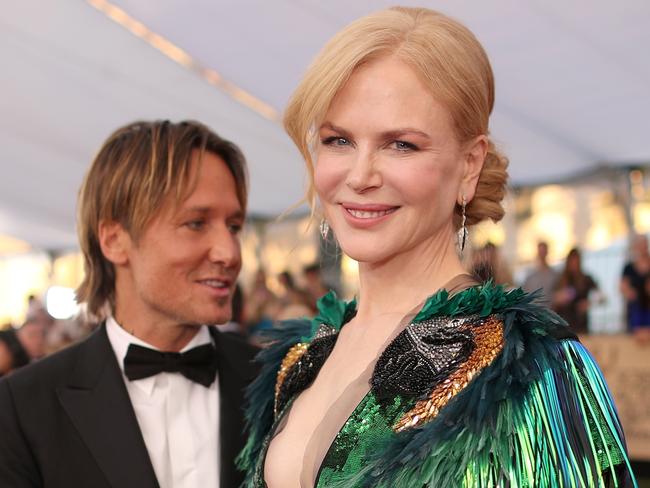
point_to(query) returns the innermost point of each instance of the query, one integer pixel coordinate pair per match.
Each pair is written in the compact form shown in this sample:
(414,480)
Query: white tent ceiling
(572,88)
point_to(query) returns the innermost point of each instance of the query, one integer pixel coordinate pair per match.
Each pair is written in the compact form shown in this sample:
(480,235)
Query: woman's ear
(475,154)
(114,242)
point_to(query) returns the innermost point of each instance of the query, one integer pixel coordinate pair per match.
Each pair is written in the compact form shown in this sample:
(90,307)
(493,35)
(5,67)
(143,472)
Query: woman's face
(573,263)
(389,167)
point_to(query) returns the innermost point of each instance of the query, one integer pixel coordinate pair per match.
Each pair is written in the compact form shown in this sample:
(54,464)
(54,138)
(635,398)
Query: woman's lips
(367,215)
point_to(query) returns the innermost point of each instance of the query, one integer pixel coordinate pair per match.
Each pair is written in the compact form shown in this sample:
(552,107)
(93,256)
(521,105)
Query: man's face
(542,251)
(184,266)
(32,338)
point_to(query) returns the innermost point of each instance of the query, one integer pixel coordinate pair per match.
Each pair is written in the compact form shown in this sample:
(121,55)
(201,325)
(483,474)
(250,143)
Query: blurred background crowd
(52,319)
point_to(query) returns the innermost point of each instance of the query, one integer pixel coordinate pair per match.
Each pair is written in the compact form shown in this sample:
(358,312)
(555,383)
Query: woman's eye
(404,146)
(335,141)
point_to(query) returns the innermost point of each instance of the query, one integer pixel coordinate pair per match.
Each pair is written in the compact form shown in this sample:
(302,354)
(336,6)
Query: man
(542,276)
(314,284)
(18,347)
(153,397)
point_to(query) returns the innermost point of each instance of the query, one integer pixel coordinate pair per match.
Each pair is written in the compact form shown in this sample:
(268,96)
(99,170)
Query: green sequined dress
(484,388)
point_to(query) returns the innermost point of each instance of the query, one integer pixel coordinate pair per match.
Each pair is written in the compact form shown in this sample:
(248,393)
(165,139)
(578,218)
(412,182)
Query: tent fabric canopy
(572,81)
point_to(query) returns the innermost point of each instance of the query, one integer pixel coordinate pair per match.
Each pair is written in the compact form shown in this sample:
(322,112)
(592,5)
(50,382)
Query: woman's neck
(397,285)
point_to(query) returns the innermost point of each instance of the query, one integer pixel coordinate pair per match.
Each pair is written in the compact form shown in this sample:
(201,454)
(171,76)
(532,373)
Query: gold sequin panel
(488,338)
(292,357)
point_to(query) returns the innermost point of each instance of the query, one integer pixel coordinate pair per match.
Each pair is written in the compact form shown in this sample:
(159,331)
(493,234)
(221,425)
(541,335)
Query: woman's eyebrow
(389,134)
(339,130)
(397,133)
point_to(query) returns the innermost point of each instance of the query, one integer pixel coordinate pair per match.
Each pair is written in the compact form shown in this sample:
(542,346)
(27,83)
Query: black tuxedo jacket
(67,420)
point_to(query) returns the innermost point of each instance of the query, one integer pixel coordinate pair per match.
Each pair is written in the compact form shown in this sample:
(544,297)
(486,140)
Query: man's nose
(225,248)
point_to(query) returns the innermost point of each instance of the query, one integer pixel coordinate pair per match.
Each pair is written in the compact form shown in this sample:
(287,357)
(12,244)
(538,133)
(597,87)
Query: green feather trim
(538,416)
(333,312)
(261,393)
(483,300)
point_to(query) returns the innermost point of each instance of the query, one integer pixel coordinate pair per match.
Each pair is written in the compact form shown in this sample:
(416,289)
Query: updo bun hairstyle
(448,59)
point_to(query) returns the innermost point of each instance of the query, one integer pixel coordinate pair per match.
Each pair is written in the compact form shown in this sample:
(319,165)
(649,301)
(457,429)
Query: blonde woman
(429,378)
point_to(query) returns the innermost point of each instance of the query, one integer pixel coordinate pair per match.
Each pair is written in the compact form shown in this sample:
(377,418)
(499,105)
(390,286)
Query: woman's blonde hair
(137,168)
(442,52)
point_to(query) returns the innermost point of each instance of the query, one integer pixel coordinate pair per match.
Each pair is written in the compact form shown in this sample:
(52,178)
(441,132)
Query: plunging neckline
(340,407)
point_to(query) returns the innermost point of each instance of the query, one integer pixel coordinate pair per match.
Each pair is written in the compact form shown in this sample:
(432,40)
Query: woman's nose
(364,173)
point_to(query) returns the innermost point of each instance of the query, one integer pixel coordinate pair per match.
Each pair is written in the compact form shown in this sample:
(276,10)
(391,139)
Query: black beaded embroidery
(423,355)
(324,330)
(304,372)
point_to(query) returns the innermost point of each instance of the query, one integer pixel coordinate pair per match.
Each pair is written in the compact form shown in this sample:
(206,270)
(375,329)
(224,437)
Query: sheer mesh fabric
(295,455)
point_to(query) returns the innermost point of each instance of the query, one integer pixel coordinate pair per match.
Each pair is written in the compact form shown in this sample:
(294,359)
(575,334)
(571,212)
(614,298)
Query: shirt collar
(120,340)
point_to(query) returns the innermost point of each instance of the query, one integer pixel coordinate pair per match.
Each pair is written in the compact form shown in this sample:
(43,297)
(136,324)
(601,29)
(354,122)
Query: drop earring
(462,232)
(324,229)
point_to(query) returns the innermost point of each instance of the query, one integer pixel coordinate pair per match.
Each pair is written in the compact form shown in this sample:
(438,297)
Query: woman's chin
(366,253)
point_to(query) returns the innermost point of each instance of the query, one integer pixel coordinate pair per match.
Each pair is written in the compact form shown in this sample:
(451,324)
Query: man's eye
(195,224)
(335,141)
(235,228)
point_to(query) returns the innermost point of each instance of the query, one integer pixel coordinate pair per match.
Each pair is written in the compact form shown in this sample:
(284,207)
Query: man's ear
(475,154)
(115,242)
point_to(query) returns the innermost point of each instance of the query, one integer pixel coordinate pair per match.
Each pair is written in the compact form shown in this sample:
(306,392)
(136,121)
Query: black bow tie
(198,364)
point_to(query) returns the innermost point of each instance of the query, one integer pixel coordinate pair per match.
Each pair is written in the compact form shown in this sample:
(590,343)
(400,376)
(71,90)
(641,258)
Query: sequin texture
(421,356)
(488,343)
(301,365)
(365,431)
(293,355)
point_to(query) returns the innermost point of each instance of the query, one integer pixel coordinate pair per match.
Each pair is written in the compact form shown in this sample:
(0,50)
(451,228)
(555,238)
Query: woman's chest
(311,424)
(415,376)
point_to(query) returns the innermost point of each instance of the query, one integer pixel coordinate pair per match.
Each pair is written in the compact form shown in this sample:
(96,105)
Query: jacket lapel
(236,370)
(98,404)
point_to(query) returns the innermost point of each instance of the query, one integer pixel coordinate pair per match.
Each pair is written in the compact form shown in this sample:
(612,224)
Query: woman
(571,298)
(429,379)
(634,286)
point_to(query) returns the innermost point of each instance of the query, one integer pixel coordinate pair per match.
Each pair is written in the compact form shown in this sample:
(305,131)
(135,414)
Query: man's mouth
(216,283)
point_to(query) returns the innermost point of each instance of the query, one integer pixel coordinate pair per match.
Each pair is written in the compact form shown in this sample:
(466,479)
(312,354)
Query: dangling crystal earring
(462,232)
(324,229)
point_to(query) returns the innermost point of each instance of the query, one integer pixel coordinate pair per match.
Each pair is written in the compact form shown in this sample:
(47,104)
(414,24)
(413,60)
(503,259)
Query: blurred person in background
(153,396)
(19,347)
(13,354)
(261,304)
(487,264)
(32,335)
(314,284)
(237,323)
(633,285)
(295,301)
(571,295)
(34,305)
(430,378)
(542,276)
(64,332)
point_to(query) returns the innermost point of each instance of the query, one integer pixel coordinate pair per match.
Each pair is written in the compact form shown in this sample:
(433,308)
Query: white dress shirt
(179,418)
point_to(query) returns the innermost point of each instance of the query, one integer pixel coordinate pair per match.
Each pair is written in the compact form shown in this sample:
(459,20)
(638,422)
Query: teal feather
(333,312)
(540,415)
(261,393)
(523,422)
